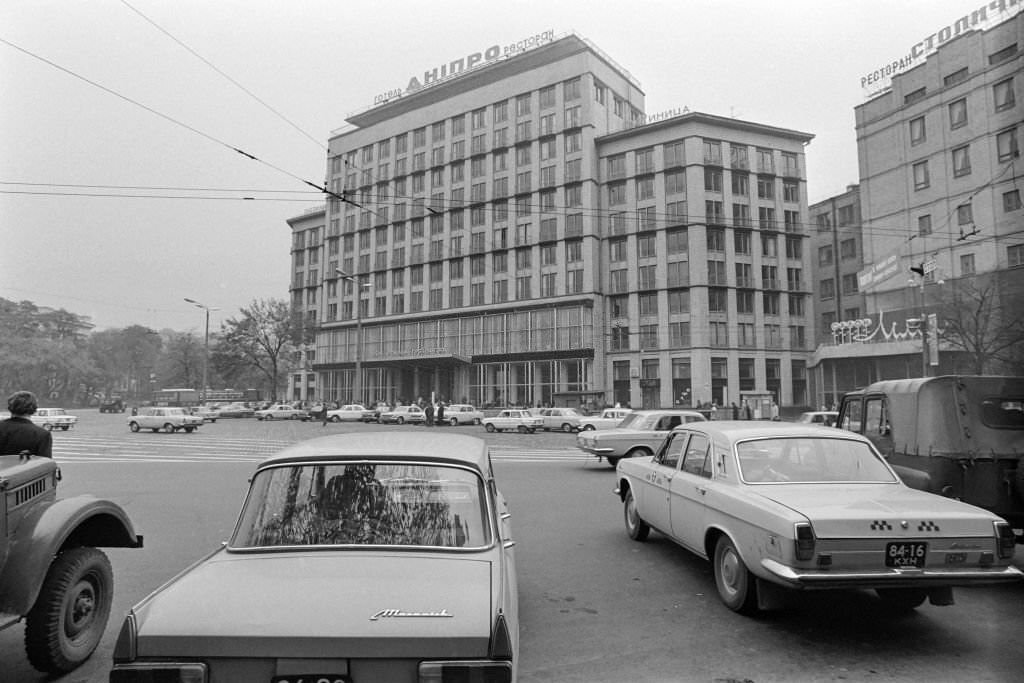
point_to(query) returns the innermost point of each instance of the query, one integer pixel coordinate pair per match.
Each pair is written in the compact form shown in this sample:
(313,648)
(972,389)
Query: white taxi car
(515,419)
(53,418)
(164,419)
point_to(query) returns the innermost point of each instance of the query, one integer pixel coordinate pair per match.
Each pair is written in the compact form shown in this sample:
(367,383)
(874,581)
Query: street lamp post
(206,342)
(357,392)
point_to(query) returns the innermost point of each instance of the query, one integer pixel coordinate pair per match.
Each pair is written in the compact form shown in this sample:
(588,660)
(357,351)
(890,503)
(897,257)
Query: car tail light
(501,640)
(466,671)
(804,541)
(1007,541)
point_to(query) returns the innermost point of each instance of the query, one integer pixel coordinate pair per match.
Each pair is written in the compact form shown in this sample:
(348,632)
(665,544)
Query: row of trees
(61,357)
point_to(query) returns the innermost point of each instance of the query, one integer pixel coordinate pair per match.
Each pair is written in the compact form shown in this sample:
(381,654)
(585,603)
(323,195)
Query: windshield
(404,504)
(800,459)
(633,421)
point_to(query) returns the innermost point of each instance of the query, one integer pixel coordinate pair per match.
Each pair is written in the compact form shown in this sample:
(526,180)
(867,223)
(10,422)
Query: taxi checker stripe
(928,526)
(881,525)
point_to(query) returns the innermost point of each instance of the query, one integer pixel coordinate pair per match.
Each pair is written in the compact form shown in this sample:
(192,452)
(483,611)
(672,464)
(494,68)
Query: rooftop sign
(463,65)
(987,15)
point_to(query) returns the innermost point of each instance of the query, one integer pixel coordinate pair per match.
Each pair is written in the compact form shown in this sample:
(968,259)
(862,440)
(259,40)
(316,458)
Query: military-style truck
(958,436)
(52,573)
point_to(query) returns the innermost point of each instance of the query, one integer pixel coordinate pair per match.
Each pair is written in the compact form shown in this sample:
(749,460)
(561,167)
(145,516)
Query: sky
(122,190)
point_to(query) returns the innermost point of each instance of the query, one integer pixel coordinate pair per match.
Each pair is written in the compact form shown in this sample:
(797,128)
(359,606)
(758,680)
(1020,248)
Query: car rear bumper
(889,577)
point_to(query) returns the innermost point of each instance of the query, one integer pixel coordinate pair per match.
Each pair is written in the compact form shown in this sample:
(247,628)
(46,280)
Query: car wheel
(567,427)
(476,420)
(268,418)
(522,429)
(637,452)
(899,600)
(65,427)
(134,426)
(636,527)
(189,430)
(737,587)
(454,422)
(48,427)
(613,460)
(587,428)
(489,427)
(334,418)
(169,428)
(400,420)
(70,615)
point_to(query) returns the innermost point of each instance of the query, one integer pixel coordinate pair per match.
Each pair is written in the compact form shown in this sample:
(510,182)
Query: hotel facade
(523,233)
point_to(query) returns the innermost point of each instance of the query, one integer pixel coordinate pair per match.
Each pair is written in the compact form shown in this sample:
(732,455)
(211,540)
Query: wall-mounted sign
(987,15)
(867,330)
(875,274)
(463,65)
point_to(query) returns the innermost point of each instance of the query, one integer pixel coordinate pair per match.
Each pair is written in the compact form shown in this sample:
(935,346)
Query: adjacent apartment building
(522,232)
(940,218)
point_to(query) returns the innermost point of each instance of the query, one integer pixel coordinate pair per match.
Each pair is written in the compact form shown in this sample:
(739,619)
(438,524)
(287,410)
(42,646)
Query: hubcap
(730,571)
(80,609)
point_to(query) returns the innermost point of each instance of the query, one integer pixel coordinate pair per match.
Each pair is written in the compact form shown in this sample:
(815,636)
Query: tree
(181,364)
(980,316)
(263,336)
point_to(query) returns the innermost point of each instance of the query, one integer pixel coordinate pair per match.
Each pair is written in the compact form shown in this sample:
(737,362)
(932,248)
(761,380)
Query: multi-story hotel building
(940,201)
(522,233)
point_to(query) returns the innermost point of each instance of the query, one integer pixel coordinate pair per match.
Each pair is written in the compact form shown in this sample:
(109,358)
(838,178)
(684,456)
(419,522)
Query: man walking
(18,433)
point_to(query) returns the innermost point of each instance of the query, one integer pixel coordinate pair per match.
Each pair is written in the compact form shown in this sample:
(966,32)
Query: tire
(476,421)
(334,418)
(613,460)
(400,420)
(637,452)
(169,428)
(587,428)
(268,418)
(65,427)
(489,427)
(737,587)
(636,527)
(522,429)
(454,422)
(189,430)
(566,427)
(70,615)
(134,426)
(48,427)
(901,600)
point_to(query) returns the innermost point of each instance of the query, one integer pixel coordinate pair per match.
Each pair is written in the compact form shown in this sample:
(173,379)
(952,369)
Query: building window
(713,179)
(964,215)
(850,284)
(921,179)
(1002,55)
(967,264)
(918,134)
(961,161)
(825,255)
(924,225)
(616,193)
(1011,201)
(713,152)
(739,157)
(674,154)
(765,187)
(958,76)
(1015,255)
(958,113)
(644,161)
(1003,92)
(915,96)
(848,249)
(1006,145)
(716,239)
(718,334)
(459,125)
(790,191)
(741,242)
(645,187)
(571,89)
(828,289)
(740,184)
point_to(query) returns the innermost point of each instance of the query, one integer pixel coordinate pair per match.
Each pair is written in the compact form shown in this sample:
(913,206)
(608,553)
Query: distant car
(356,558)
(561,419)
(412,414)
(639,434)
(608,419)
(234,410)
(208,414)
(515,419)
(112,405)
(282,411)
(352,412)
(819,417)
(164,419)
(53,418)
(462,414)
(775,505)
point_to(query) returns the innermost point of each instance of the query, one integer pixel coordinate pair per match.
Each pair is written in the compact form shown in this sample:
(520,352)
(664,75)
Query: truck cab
(959,436)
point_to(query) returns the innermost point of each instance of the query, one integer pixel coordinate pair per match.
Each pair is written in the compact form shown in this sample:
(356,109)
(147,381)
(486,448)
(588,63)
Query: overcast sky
(132,260)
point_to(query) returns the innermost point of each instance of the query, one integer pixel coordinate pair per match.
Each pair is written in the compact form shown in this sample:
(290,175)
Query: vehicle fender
(70,522)
(914,478)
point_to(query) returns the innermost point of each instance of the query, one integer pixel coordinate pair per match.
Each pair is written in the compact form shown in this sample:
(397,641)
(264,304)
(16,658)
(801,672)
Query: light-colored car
(826,418)
(561,419)
(164,419)
(401,414)
(282,411)
(515,419)
(462,414)
(777,506)
(608,419)
(351,412)
(639,434)
(419,534)
(208,414)
(53,418)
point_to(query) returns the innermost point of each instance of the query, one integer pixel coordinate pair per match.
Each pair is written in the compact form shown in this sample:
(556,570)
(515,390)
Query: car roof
(450,448)
(736,430)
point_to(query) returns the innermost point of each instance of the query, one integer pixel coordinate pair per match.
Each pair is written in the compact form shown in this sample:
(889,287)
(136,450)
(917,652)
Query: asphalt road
(595,606)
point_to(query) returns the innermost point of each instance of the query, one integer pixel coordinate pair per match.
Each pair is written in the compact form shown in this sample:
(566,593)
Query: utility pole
(206,344)
(357,393)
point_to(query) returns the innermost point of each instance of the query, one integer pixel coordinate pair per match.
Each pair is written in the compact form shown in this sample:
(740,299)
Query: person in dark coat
(440,413)
(735,411)
(428,411)
(18,433)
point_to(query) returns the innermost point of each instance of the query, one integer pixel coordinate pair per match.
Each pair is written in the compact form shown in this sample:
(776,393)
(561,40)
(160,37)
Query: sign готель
(464,64)
(988,14)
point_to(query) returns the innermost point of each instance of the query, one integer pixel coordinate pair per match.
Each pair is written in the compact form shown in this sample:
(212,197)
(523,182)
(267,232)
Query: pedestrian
(428,412)
(775,411)
(735,411)
(323,414)
(746,410)
(440,412)
(18,434)
(714,411)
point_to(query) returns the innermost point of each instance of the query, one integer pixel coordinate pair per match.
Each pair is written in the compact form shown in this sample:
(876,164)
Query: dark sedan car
(235,410)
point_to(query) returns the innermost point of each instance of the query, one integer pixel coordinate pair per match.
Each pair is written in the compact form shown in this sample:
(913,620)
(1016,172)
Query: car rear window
(810,460)
(382,504)
(1003,413)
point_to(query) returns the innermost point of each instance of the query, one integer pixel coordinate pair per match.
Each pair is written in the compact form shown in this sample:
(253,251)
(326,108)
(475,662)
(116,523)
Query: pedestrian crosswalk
(200,447)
